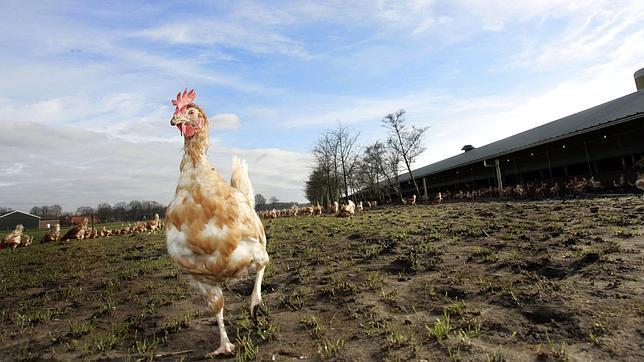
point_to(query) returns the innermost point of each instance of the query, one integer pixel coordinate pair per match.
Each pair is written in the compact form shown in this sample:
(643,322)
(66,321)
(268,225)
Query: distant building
(603,142)
(9,220)
(46,224)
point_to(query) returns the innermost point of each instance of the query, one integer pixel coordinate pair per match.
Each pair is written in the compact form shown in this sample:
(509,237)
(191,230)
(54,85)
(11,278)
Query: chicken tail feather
(240,180)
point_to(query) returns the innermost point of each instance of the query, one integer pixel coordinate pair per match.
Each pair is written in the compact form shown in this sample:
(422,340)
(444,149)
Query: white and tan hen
(212,230)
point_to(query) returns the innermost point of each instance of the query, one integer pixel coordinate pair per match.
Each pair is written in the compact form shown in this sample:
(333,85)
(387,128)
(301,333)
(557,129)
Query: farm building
(9,220)
(46,224)
(603,142)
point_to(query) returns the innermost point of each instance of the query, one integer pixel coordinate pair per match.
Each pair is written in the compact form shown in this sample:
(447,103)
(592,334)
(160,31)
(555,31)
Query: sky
(86,85)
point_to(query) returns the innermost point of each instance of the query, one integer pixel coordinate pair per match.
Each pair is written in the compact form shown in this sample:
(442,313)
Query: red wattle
(189,131)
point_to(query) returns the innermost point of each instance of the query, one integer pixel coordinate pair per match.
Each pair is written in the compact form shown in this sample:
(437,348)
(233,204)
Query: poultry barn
(602,143)
(9,220)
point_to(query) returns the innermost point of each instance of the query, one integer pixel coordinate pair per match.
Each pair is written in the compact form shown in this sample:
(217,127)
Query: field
(549,280)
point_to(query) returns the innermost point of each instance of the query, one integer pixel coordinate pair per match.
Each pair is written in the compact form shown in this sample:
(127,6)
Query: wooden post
(499,181)
(549,165)
(425,188)
(590,170)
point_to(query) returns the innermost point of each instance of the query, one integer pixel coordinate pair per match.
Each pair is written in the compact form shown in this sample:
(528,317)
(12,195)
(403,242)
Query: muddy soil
(533,280)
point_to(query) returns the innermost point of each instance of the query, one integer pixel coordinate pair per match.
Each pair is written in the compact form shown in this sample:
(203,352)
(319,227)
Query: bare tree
(104,211)
(84,210)
(406,141)
(259,200)
(346,139)
(55,210)
(315,188)
(386,163)
(325,152)
(4,210)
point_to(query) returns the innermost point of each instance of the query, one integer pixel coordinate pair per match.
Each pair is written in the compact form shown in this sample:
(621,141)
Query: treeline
(343,167)
(134,210)
(47,211)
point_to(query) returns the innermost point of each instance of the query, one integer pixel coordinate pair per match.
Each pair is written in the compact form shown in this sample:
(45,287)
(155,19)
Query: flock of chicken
(347,209)
(78,232)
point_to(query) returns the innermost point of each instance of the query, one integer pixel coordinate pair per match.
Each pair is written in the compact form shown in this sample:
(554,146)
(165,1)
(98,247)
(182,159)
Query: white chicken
(212,230)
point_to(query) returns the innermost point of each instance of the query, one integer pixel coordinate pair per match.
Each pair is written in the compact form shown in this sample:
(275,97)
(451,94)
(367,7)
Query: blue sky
(85,96)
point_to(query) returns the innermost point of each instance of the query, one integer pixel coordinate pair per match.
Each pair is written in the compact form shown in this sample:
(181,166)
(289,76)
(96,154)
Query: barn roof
(616,111)
(20,212)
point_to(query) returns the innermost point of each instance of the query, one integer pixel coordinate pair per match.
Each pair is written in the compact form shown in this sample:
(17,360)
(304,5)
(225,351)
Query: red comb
(183,99)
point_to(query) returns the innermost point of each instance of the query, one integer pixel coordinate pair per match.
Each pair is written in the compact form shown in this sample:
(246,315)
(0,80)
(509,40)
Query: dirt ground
(533,280)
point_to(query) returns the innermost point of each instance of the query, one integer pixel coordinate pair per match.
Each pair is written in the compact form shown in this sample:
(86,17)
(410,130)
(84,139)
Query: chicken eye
(191,111)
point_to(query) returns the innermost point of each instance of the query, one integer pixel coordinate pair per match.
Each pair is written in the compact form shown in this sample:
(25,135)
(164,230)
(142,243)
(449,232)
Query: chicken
(347,210)
(317,209)
(335,209)
(212,230)
(639,169)
(106,232)
(52,235)
(77,232)
(25,240)
(360,207)
(153,225)
(13,239)
(411,200)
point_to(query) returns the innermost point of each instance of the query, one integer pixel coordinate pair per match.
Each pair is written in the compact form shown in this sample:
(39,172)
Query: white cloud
(225,121)
(86,167)
(218,32)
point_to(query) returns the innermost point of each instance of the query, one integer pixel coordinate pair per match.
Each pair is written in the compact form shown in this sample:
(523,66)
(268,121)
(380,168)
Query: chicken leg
(216,303)
(256,297)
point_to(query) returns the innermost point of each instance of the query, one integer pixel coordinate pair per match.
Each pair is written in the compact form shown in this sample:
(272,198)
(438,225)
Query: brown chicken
(153,225)
(52,235)
(212,230)
(13,239)
(77,232)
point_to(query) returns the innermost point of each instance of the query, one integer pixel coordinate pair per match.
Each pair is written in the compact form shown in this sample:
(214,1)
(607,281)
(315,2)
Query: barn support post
(590,169)
(425,189)
(499,181)
(549,165)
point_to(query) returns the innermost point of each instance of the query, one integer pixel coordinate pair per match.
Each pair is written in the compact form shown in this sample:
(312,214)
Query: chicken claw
(226,349)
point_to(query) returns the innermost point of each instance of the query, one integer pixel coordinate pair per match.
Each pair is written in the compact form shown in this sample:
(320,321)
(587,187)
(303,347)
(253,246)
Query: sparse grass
(78,329)
(395,339)
(440,329)
(313,325)
(147,345)
(361,289)
(246,349)
(457,307)
(293,302)
(374,280)
(330,348)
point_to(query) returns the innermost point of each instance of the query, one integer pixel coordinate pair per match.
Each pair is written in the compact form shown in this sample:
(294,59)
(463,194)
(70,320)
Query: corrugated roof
(617,110)
(18,211)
